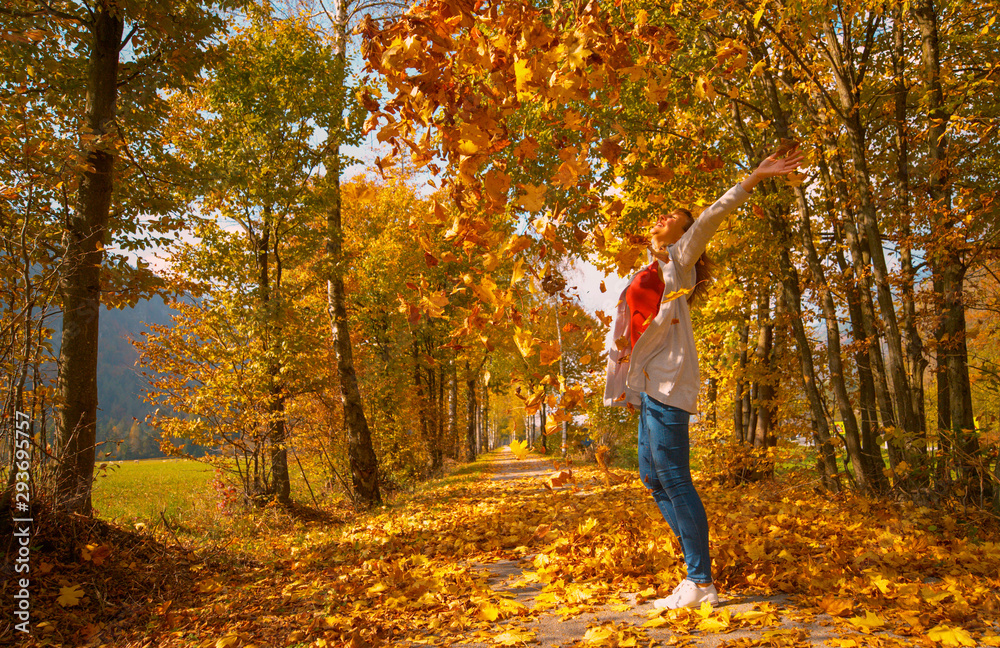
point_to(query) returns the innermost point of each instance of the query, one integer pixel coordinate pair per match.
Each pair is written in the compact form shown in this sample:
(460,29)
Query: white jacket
(664,361)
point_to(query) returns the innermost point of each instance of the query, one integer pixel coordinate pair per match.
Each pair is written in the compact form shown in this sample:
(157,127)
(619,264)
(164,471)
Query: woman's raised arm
(694,241)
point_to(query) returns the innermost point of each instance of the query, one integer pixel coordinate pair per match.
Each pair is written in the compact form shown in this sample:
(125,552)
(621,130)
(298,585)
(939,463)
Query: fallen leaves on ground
(886,572)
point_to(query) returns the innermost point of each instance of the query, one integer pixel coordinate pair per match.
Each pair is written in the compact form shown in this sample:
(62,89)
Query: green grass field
(130,492)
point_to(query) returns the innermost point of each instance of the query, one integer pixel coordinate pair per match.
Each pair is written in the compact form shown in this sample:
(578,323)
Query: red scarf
(643,299)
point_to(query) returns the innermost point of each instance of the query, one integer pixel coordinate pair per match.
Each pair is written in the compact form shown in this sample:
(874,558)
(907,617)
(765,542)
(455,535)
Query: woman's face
(667,230)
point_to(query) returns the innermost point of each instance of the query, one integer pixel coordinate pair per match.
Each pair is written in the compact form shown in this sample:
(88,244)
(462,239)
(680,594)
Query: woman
(654,365)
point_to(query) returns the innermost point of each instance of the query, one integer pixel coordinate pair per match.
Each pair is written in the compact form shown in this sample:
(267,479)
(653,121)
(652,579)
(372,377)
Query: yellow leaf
(949,636)
(488,612)
(517,272)
(836,607)
(514,637)
(522,75)
(626,258)
(433,304)
(69,596)
(577,56)
(703,89)
(933,596)
(671,296)
(467,147)
(534,197)
(708,14)
(795,179)
(229,641)
(868,622)
(600,636)
(524,341)
(497,183)
(549,354)
(519,448)
(720,623)
(757,16)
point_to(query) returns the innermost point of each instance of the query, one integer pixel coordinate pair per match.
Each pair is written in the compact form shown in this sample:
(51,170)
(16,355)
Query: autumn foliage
(365,333)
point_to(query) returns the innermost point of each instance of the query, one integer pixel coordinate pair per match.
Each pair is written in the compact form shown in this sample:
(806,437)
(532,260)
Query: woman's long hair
(704,268)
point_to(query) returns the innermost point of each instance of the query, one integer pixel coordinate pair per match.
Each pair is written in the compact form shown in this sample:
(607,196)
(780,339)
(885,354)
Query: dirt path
(506,578)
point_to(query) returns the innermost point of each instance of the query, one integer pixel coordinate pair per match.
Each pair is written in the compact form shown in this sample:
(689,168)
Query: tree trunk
(361,455)
(484,429)
(269,304)
(868,403)
(847,92)
(916,362)
(952,351)
(713,401)
(453,436)
(826,457)
(866,477)
(363,463)
(432,414)
(739,429)
(470,396)
(81,277)
(763,356)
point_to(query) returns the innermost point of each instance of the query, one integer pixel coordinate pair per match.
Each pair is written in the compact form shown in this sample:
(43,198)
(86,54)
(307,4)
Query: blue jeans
(665,468)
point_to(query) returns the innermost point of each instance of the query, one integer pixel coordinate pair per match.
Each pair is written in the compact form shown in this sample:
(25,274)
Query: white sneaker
(688,594)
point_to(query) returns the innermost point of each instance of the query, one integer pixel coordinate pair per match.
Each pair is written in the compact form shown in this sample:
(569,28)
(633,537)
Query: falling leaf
(676,294)
(703,89)
(524,341)
(520,449)
(534,197)
(757,16)
(559,478)
(549,354)
(785,146)
(795,179)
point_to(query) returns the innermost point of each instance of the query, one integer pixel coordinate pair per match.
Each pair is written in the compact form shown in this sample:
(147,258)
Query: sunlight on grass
(129,492)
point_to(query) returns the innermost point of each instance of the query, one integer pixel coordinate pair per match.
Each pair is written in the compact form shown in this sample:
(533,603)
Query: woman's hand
(773,166)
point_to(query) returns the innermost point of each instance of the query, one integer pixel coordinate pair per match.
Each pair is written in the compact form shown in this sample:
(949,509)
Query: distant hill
(121,410)
(119,384)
